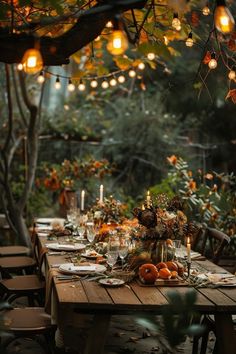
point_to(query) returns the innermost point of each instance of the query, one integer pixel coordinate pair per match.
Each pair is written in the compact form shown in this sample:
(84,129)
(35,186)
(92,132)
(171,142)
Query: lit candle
(82,200)
(101,194)
(148,199)
(188,250)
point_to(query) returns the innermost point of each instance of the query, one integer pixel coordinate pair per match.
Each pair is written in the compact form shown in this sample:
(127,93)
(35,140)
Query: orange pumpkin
(161,265)
(164,273)
(172,266)
(148,273)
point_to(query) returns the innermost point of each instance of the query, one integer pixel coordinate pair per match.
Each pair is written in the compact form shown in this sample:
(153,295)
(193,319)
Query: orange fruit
(174,274)
(164,273)
(172,266)
(161,265)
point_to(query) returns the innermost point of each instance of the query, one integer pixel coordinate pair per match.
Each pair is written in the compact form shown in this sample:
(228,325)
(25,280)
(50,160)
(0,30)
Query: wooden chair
(209,242)
(8,251)
(18,264)
(30,322)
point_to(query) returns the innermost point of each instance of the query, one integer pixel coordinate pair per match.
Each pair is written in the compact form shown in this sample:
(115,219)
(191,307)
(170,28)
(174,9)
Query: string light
(71,86)
(132,73)
(213,62)
(151,56)
(189,40)
(141,66)
(81,86)
(232,73)
(176,24)
(97,38)
(121,79)
(104,84)
(20,67)
(113,82)
(94,83)
(41,78)
(57,84)
(117,42)
(32,61)
(223,18)
(206,11)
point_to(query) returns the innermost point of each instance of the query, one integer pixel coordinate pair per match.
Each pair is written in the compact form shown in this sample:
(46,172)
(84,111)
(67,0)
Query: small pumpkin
(172,266)
(148,273)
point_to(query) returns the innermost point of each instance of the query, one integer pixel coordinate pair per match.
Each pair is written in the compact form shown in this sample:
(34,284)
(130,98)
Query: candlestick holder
(188,268)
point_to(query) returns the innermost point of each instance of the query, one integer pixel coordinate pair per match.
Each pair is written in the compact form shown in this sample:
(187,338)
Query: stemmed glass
(91,232)
(123,249)
(112,251)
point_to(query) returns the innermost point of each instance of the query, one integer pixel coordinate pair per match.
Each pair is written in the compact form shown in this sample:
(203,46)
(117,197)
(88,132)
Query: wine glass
(112,250)
(91,232)
(111,258)
(123,249)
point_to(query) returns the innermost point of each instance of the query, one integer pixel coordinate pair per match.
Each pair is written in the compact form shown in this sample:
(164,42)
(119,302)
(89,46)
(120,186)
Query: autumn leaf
(232,95)
(207,57)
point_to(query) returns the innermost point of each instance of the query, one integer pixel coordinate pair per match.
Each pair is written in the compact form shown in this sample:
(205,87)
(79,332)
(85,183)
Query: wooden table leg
(225,334)
(97,334)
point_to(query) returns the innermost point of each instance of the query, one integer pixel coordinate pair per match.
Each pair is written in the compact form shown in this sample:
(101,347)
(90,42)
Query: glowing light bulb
(213,62)
(141,66)
(41,78)
(94,83)
(97,39)
(105,84)
(81,86)
(176,22)
(57,84)
(117,43)
(71,86)
(232,74)
(113,82)
(121,79)
(223,18)
(189,40)
(20,67)
(206,11)
(109,24)
(32,61)
(132,73)
(151,56)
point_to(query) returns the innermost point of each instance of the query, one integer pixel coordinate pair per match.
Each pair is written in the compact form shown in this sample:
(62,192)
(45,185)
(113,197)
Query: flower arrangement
(69,175)
(109,211)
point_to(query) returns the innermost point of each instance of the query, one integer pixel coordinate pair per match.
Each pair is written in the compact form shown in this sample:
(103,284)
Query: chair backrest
(211,242)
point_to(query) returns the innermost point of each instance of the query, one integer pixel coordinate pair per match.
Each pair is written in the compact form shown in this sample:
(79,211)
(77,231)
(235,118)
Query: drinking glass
(123,249)
(178,249)
(91,232)
(112,258)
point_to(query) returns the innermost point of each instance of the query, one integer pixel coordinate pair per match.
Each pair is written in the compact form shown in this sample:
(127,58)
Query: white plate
(49,220)
(111,282)
(69,268)
(65,247)
(91,255)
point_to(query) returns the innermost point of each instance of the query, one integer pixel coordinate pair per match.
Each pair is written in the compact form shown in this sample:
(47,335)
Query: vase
(67,198)
(159,251)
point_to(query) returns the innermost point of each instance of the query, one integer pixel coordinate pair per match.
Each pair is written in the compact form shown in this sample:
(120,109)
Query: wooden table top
(90,296)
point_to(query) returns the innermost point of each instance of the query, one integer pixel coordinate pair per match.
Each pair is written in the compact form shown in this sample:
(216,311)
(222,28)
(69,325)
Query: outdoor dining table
(89,297)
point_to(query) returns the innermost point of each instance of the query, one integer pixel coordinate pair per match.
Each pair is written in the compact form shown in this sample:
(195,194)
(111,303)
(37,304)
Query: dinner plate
(111,282)
(70,268)
(222,279)
(91,255)
(65,247)
(49,220)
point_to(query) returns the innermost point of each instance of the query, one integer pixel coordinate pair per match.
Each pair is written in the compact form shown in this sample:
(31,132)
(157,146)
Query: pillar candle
(188,250)
(101,194)
(82,200)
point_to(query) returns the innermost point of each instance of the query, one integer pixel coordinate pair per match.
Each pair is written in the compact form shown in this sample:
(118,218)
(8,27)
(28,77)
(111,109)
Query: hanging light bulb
(132,73)
(232,73)
(151,56)
(141,66)
(20,67)
(206,11)
(105,84)
(121,79)
(81,86)
(109,24)
(97,38)
(176,24)
(57,84)
(223,18)
(117,43)
(113,82)
(32,61)
(41,78)
(189,40)
(94,83)
(213,62)
(71,86)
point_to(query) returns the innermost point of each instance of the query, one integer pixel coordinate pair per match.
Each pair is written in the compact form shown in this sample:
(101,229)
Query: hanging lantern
(32,61)
(223,18)
(117,43)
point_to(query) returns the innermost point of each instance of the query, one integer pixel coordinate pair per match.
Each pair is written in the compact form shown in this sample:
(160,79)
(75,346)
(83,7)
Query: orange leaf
(232,94)
(207,57)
